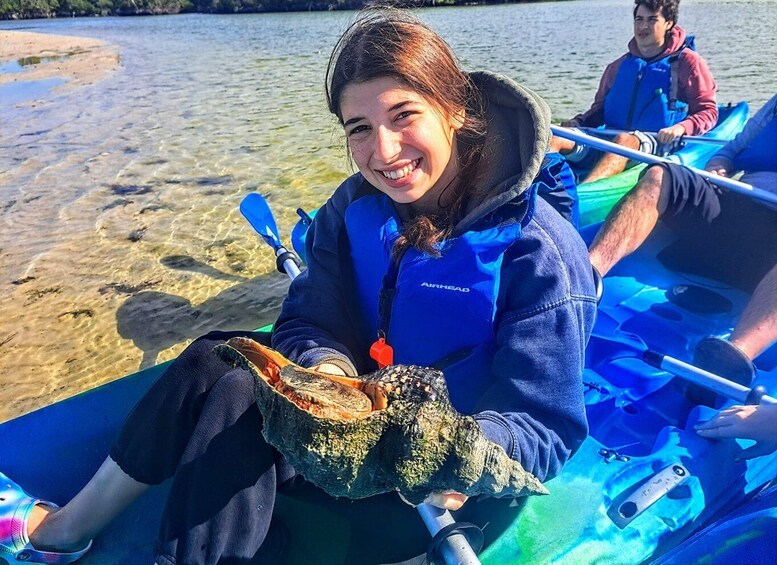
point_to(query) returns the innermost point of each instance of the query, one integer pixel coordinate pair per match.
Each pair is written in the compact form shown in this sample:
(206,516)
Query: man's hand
(668,135)
(758,423)
(573,123)
(447,500)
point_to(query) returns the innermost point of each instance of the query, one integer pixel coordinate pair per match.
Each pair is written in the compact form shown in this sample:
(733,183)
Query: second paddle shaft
(603,145)
(688,138)
(729,389)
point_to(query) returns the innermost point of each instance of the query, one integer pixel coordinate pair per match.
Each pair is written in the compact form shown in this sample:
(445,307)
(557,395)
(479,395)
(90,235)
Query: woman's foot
(23,514)
(44,534)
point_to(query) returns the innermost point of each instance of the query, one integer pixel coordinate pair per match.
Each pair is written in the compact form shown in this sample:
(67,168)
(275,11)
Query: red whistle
(382,352)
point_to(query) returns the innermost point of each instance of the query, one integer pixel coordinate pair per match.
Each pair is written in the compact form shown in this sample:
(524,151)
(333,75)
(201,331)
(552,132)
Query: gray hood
(517,140)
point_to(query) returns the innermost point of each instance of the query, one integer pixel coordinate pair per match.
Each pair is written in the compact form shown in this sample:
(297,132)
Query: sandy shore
(78,60)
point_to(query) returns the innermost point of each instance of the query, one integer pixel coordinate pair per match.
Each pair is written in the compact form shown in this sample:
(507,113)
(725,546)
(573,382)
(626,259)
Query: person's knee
(652,183)
(237,383)
(627,140)
(654,175)
(202,346)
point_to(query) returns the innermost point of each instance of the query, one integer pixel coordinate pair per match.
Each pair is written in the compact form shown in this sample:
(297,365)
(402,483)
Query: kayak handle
(646,494)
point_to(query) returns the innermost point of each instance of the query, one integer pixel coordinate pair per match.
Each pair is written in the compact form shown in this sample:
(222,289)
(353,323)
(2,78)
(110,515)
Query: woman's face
(400,142)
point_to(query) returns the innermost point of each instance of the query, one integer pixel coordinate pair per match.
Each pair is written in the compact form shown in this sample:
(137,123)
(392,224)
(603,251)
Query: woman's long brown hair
(387,42)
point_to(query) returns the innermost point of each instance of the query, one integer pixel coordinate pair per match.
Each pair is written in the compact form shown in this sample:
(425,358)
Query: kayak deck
(642,430)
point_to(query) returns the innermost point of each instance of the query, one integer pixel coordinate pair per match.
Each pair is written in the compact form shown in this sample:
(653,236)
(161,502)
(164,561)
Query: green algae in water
(35,60)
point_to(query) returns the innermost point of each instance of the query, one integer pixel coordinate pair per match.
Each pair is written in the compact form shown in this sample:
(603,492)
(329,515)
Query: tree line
(23,9)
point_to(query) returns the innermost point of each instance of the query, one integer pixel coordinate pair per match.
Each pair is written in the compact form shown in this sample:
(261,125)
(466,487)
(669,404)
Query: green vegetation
(23,9)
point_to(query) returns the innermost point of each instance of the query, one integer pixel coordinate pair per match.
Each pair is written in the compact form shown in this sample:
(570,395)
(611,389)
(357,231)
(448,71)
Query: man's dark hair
(669,8)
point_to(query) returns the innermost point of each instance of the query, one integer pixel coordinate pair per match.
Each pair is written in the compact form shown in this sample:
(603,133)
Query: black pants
(723,235)
(199,424)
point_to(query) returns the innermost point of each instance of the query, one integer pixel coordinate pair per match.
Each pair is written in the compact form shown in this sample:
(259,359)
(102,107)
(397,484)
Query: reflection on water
(29,61)
(120,237)
(20,91)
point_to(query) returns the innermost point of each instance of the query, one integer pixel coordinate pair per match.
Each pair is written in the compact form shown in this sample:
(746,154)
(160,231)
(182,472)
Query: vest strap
(674,81)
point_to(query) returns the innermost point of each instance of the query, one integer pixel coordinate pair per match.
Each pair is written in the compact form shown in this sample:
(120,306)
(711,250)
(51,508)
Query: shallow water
(120,239)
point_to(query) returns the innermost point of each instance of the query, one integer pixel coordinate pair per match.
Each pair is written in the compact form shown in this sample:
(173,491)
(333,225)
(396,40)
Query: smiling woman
(401,122)
(440,252)
(442,229)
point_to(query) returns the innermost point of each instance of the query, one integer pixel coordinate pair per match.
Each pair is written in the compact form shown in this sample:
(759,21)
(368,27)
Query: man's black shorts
(722,235)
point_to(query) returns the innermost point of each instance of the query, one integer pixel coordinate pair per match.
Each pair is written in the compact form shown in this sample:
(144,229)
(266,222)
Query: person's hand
(573,123)
(329,368)
(448,500)
(758,423)
(668,135)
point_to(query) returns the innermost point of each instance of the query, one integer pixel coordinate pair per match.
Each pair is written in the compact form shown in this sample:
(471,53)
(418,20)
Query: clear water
(120,239)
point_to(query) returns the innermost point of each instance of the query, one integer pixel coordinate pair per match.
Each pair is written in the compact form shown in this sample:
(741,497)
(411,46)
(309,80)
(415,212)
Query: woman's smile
(402,173)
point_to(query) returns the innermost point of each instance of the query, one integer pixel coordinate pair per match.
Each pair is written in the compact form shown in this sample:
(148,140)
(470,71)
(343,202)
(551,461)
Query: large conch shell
(394,429)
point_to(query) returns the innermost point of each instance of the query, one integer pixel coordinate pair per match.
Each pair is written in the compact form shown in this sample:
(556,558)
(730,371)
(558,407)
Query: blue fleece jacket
(533,402)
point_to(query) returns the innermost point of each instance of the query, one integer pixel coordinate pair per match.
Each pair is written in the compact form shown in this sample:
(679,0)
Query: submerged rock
(394,429)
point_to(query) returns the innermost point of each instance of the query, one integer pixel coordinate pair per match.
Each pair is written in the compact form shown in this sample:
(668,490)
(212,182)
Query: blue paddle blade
(256,210)
(299,233)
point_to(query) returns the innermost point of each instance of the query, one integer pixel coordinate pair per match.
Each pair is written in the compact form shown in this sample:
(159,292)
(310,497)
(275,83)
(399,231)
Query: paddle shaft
(686,138)
(287,263)
(455,549)
(729,389)
(603,145)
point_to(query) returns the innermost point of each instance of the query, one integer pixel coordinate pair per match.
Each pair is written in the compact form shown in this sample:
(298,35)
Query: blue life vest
(441,311)
(644,96)
(761,153)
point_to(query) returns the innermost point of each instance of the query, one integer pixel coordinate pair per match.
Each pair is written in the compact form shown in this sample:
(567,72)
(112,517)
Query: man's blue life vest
(761,153)
(440,311)
(644,94)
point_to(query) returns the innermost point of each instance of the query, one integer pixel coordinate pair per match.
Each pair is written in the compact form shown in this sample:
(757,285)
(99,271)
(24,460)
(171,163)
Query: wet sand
(78,60)
(94,287)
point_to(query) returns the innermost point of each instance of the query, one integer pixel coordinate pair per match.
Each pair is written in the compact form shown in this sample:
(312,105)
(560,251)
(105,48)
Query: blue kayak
(641,486)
